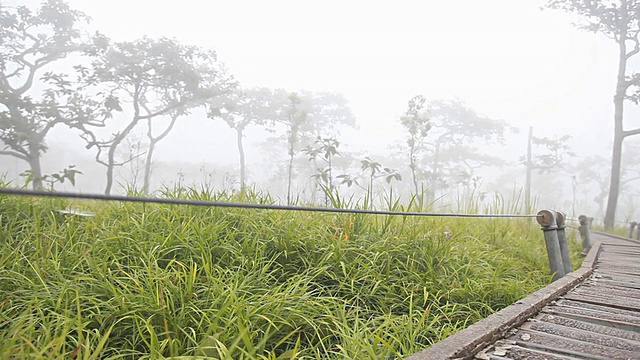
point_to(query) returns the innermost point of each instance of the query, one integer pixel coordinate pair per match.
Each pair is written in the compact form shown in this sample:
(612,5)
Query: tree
(417,124)
(296,119)
(240,109)
(153,141)
(306,116)
(324,149)
(33,100)
(452,152)
(589,176)
(594,183)
(549,155)
(619,21)
(158,78)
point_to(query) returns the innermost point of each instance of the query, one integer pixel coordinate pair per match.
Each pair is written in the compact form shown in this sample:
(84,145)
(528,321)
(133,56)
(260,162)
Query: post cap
(546,218)
(583,219)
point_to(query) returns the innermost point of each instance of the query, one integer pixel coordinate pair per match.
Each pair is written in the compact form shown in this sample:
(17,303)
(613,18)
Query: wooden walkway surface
(592,313)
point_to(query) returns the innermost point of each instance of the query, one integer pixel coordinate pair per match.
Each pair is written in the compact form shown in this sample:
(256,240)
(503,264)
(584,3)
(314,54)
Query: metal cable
(41,193)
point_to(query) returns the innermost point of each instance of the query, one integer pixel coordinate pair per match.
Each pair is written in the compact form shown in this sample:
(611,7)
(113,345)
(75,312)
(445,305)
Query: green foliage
(376,170)
(141,281)
(69,173)
(324,149)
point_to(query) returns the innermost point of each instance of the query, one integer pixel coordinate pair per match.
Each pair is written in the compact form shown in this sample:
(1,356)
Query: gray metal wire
(125,198)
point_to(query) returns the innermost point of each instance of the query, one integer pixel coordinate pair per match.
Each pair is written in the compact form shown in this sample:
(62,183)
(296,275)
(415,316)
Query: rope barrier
(123,198)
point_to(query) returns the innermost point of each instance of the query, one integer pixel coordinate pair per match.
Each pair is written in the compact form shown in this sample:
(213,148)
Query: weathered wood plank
(593,314)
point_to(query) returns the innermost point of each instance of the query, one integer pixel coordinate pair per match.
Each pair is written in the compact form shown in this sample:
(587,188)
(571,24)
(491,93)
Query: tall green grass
(148,281)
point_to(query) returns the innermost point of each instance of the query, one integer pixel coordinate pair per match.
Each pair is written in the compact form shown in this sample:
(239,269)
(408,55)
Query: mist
(319,85)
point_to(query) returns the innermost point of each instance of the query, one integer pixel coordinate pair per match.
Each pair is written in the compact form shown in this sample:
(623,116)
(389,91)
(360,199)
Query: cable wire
(124,198)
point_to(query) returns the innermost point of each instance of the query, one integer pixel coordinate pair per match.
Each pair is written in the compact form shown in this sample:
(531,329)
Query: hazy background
(505,59)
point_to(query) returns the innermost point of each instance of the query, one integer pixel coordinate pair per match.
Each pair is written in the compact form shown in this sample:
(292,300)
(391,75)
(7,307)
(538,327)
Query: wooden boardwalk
(592,313)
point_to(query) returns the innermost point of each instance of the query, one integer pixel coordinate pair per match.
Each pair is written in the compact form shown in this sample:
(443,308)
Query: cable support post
(583,229)
(632,226)
(549,226)
(562,239)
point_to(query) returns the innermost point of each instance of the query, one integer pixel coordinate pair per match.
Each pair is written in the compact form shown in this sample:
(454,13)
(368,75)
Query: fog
(506,60)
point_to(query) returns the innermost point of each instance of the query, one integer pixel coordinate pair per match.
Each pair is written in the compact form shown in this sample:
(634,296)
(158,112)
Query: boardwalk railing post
(584,233)
(637,231)
(562,239)
(547,219)
(631,227)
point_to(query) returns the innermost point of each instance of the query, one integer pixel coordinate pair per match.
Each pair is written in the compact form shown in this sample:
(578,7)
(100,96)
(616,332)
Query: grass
(147,281)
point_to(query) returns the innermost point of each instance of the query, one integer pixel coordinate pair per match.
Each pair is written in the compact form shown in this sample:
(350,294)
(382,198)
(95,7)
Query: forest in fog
(81,111)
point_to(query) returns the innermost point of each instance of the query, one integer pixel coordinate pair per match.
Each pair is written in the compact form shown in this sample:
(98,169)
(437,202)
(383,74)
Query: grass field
(153,281)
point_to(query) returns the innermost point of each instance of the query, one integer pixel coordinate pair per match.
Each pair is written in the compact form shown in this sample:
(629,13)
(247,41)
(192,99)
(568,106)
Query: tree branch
(32,73)
(636,46)
(631,132)
(174,117)
(130,159)
(164,110)
(14,154)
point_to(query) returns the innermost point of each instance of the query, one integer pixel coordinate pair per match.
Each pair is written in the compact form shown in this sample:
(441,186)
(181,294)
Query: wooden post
(585,223)
(631,227)
(547,219)
(562,239)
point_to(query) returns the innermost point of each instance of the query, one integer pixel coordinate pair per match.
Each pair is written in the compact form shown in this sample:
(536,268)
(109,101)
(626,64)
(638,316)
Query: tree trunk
(147,166)
(239,132)
(289,172)
(330,174)
(371,187)
(110,166)
(433,182)
(36,170)
(412,166)
(614,186)
(292,140)
(527,182)
(618,136)
(152,145)
(111,162)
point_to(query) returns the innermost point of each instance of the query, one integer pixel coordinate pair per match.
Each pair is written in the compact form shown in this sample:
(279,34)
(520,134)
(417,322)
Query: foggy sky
(506,59)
